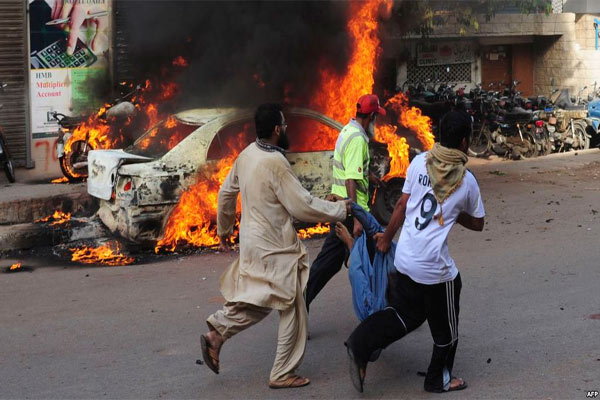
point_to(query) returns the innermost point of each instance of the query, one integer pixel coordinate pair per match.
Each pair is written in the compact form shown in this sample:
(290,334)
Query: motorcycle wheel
(480,141)
(9,171)
(545,144)
(529,144)
(68,160)
(584,141)
(386,198)
(546,147)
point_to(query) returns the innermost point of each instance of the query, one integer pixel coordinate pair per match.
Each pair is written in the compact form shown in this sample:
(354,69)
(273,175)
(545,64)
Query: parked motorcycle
(566,122)
(593,120)
(72,156)
(505,127)
(5,159)
(73,163)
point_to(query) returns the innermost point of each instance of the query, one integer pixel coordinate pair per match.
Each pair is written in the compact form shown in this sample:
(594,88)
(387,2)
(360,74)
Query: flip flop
(450,389)
(462,386)
(210,355)
(355,371)
(294,381)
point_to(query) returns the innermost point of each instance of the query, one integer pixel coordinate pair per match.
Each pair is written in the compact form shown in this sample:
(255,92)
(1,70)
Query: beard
(371,129)
(283,141)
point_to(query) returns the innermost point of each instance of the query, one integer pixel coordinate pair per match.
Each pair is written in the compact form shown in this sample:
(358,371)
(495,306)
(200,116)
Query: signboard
(70,50)
(69,59)
(443,53)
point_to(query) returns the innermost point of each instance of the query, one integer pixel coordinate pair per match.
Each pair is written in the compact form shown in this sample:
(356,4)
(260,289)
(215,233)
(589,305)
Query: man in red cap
(350,179)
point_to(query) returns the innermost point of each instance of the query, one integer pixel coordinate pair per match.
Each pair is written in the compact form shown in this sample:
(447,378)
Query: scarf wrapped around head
(446,170)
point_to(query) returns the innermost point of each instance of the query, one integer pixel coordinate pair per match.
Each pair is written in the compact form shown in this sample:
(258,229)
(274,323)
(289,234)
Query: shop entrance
(505,63)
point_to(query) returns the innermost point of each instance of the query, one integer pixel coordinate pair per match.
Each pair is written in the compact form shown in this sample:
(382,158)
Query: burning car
(164,187)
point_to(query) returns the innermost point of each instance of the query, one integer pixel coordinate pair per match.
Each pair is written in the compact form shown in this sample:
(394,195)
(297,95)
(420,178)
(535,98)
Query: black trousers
(410,304)
(332,256)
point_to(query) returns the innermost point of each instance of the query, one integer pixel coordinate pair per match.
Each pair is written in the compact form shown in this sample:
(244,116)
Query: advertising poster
(69,43)
(444,53)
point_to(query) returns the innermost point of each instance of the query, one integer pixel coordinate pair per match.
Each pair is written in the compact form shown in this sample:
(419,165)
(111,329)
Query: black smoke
(234,46)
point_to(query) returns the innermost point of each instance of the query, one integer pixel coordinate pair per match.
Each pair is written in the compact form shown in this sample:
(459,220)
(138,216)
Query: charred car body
(139,186)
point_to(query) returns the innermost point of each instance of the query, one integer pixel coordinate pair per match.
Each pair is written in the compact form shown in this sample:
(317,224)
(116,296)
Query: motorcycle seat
(518,111)
(69,122)
(572,107)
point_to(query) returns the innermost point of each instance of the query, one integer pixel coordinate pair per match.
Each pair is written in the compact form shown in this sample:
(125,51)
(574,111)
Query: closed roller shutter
(13,72)
(123,67)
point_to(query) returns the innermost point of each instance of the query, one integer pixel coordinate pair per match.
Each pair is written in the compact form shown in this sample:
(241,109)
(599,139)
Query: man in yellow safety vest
(350,179)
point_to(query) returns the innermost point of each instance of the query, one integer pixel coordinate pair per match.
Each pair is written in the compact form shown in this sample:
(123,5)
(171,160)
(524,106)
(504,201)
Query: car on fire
(139,186)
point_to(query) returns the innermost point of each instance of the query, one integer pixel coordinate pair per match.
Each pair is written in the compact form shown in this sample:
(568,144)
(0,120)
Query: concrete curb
(27,236)
(21,204)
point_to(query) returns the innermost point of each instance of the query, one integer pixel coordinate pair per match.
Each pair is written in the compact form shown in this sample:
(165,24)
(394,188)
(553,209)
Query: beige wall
(563,45)
(570,59)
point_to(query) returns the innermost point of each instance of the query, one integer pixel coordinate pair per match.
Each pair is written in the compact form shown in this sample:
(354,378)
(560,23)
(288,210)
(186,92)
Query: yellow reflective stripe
(360,185)
(338,164)
(347,142)
(340,182)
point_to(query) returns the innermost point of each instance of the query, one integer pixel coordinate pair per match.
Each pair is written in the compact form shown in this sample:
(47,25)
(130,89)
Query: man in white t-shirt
(438,192)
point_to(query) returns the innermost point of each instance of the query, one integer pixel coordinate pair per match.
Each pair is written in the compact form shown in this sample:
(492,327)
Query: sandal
(462,386)
(357,372)
(293,381)
(210,355)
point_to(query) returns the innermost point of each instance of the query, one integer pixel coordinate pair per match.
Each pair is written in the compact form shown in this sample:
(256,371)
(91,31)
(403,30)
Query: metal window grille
(557,6)
(458,73)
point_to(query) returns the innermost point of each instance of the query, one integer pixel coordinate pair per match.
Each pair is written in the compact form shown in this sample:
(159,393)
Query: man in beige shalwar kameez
(272,269)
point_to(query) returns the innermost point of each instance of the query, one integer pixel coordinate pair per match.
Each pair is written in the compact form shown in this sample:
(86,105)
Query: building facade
(536,49)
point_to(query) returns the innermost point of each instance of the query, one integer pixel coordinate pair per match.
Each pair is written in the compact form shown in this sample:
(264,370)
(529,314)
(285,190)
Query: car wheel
(386,198)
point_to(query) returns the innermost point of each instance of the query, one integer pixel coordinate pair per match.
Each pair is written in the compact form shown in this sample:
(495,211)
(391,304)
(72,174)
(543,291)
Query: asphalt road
(529,321)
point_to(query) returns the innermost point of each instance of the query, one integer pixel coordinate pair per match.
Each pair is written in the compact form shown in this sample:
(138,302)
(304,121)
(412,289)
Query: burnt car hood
(102,170)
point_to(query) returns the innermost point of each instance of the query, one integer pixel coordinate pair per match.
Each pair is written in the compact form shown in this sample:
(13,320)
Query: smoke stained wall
(240,53)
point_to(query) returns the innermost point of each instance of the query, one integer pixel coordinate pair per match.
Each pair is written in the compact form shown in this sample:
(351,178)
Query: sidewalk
(25,202)
(22,203)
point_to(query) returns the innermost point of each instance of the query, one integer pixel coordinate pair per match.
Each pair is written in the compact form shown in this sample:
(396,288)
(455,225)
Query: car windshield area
(304,135)
(231,139)
(162,137)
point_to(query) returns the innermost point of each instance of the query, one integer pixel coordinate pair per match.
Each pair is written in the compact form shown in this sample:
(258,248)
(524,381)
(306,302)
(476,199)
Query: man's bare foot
(342,232)
(215,340)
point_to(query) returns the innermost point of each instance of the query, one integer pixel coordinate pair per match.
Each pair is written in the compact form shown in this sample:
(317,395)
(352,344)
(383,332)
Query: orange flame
(104,255)
(413,119)
(338,94)
(101,135)
(192,221)
(408,117)
(359,80)
(397,149)
(314,230)
(58,218)
(64,179)
(14,267)
(180,62)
